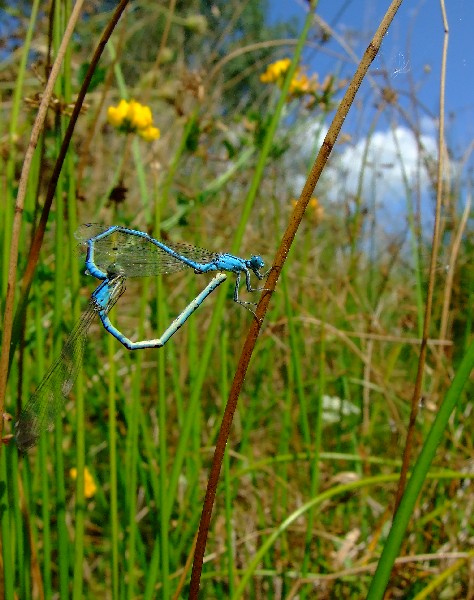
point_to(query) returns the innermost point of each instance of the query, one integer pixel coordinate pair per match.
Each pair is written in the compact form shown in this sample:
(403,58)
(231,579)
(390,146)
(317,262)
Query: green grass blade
(405,510)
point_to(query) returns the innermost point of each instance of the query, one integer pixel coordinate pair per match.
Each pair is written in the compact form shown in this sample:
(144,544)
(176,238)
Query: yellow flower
(117,114)
(90,487)
(276,71)
(149,134)
(133,117)
(139,116)
(301,84)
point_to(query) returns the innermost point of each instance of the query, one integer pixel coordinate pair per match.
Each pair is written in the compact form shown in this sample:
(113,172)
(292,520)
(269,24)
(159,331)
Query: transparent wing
(87,231)
(40,411)
(138,256)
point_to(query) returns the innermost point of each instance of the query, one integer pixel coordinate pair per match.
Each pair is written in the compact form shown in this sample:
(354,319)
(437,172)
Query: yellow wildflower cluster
(276,71)
(300,85)
(133,117)
(90,487)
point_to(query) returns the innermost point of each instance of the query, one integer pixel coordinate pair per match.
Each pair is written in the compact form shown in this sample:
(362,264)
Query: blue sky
(412,45)
(410,58)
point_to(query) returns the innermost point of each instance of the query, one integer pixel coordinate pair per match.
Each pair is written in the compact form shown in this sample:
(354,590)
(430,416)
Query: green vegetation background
(305,499)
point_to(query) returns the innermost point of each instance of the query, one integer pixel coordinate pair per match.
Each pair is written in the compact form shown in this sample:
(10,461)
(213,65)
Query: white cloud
(376,169)
(387,162)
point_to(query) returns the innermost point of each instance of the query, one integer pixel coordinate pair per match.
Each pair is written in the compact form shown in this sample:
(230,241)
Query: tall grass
(304,503)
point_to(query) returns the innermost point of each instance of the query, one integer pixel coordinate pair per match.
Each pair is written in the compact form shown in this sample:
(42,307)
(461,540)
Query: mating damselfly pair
(112,255)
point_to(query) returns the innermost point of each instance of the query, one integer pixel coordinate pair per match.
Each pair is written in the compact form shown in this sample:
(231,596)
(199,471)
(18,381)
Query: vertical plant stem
(228,487)
(455,247)
(318,447)
(163,454)
(132,450)
(46,519)
(114,521)
(66,177)
(415,401)
(80,499)
(296,364)
(165,501)
(22,555)
(12,153)
(5,520)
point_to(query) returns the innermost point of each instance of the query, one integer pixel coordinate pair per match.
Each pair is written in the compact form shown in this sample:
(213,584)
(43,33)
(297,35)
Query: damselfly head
(255,263)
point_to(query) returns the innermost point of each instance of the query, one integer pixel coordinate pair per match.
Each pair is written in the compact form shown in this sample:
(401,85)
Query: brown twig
(432,275)
(453,256)
(279,261)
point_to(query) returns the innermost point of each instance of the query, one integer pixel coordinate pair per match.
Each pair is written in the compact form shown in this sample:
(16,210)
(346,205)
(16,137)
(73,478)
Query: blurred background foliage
(327,399)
